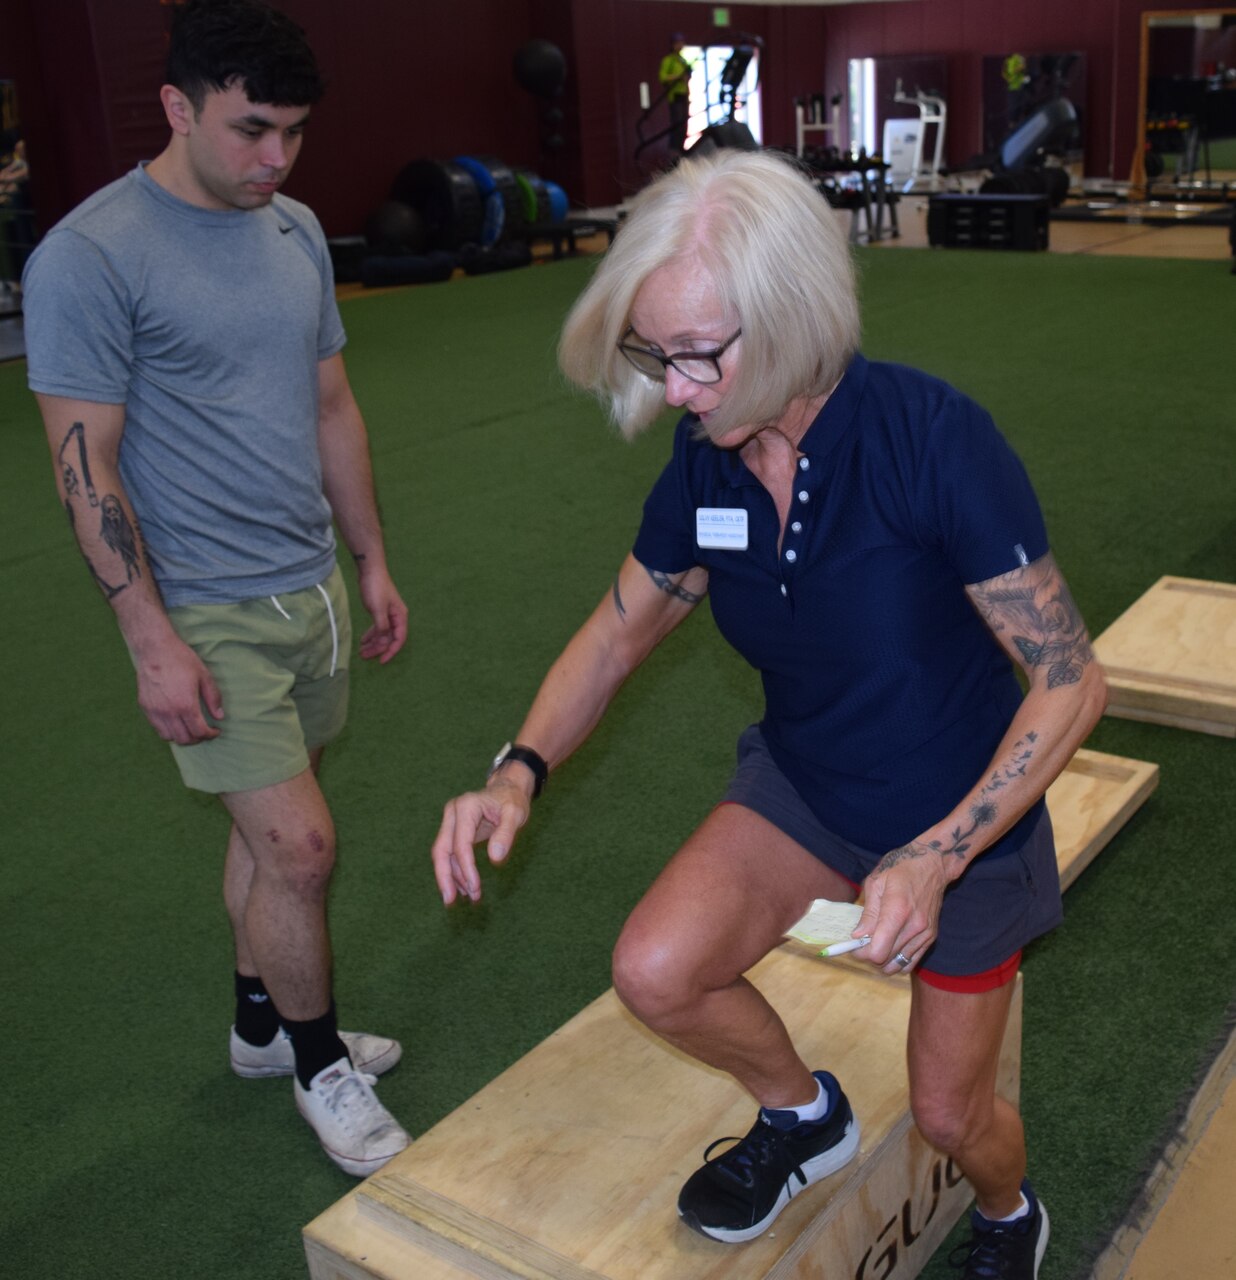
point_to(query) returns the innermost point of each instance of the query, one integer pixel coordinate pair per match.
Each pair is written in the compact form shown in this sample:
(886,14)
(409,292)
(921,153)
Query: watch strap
(525,755)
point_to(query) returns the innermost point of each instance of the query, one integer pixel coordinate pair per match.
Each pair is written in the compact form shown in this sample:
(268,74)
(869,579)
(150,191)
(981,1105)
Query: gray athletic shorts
(996,907)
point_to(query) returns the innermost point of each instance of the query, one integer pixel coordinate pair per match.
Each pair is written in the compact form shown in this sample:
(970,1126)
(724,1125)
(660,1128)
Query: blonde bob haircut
(779,262)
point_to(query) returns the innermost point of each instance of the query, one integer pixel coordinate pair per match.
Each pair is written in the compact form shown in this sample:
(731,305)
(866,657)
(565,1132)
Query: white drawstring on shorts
(334,630)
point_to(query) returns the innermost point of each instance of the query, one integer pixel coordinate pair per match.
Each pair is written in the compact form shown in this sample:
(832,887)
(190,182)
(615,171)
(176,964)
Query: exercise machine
(904,140)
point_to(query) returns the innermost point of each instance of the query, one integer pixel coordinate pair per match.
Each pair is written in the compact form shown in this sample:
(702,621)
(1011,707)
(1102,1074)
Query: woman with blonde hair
(873,547)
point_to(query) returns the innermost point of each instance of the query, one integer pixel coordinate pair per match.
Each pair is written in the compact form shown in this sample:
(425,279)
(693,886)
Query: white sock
(815,1110)
(1017,1213)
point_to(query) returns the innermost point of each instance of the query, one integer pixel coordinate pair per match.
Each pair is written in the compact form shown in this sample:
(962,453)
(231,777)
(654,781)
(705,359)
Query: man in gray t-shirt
(185,349)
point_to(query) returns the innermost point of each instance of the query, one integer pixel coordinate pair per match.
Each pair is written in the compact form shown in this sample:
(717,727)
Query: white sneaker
(373,1054)
(354,1128)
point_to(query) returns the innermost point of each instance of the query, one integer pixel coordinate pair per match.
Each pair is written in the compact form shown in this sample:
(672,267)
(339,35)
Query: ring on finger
(901,960)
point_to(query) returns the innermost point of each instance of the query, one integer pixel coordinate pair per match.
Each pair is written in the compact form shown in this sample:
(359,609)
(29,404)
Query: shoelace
(983,1255)
(763,1146)
(347,1092)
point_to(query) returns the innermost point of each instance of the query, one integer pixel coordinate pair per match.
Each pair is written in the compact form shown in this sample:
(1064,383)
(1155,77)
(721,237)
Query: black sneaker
(1004,1250)
(739,1193)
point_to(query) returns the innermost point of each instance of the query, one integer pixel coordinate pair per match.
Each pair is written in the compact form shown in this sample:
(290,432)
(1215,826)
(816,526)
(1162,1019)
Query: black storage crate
(959,221)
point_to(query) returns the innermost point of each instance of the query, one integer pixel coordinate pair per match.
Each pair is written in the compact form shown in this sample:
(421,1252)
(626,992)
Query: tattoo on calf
(1049,634)
(665,583)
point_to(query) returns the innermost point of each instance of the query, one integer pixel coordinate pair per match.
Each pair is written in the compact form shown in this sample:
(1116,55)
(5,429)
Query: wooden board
(1090,801)
(568,1165)
(1171,657)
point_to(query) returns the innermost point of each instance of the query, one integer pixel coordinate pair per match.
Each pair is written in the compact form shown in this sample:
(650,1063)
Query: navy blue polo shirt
(885,693)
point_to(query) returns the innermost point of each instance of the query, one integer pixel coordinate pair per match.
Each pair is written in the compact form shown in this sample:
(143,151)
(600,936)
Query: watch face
(498,759)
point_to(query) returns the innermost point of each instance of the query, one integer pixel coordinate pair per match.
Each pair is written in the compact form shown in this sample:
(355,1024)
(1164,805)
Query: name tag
(721,528)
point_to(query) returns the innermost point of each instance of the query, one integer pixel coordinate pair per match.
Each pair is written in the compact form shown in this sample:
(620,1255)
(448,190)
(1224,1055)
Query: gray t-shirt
(208,326)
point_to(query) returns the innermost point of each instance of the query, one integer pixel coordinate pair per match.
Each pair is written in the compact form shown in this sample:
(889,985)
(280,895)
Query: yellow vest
(674,65)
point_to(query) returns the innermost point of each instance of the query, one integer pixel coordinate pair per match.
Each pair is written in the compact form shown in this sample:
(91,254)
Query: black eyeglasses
(700,366)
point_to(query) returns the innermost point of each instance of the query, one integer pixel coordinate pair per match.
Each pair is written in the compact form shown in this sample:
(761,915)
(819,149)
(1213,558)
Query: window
(711,100)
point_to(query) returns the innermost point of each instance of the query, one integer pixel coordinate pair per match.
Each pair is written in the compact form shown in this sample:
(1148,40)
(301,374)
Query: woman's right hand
(494,814)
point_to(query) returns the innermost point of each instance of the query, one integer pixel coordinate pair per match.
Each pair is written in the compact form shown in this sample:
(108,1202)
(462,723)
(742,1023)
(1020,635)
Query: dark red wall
(612,45)
(417,78)
(407,80)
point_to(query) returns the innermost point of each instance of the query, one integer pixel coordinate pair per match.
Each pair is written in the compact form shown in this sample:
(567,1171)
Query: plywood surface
(568,1165)
(1171,657)
(1090,801)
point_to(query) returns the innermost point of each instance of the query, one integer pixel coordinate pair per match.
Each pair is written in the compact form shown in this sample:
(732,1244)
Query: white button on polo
(783,590)
(791,556)
(803,495)
(796,527)
(804,464)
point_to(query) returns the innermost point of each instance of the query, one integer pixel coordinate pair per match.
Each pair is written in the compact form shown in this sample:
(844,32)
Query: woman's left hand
(901,914)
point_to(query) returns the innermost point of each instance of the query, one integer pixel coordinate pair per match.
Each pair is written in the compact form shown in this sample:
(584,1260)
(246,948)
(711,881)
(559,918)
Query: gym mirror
(1186,108)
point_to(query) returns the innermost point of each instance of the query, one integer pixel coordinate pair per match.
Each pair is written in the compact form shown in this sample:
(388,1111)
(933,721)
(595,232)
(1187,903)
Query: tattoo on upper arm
(116,531)
(622,609)
(1035,606)
(665,583)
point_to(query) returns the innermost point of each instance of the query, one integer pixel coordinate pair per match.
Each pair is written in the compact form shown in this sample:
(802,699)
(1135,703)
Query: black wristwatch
(525,755)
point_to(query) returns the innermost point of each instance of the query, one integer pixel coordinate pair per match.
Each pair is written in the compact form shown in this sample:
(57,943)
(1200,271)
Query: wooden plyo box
(1090,801)
(532,1179)
(568,1165)
(1170,657)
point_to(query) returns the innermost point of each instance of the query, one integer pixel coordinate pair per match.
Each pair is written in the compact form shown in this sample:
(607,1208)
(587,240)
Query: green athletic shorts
(281,664)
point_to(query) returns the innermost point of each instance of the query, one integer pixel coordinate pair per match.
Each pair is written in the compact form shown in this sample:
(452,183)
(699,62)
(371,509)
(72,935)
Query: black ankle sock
(316,1044)
(257,1019)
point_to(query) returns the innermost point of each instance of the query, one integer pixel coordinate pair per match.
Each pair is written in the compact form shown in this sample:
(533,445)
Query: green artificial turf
(131,1150)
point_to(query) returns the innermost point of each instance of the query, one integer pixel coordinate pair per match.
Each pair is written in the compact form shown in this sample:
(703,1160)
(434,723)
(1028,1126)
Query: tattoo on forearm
(76,432)
(119,535)
(1015,766)
(106,587)
(907,851)
(116,532)
(622,610)
(983,813)
(665,583)
(1049,634)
